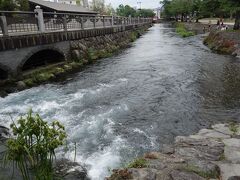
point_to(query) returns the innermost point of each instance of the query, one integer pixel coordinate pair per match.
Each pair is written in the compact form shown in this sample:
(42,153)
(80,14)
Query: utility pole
(140,4)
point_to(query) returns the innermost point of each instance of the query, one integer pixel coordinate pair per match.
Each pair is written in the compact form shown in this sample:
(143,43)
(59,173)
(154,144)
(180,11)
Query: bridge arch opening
(3,74)
(43,58)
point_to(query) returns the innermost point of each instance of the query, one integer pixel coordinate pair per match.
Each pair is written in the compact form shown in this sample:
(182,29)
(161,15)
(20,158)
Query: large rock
(229,171)
(222,128)
(232,150)
(68,170)
(4,134)
(21,85)
(205,149)
(209,133)
(143,174)
(182,175)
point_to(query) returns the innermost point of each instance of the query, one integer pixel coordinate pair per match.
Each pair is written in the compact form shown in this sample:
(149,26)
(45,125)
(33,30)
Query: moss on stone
(194,169)
(138,163)
(122,174)
(233,127)
(29,82)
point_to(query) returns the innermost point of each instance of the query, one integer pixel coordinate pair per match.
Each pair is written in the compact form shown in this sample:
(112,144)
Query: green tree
(23,5)
(126,11)
(236,7)
(109,10)
(98,6)
(145,13)
(7,5)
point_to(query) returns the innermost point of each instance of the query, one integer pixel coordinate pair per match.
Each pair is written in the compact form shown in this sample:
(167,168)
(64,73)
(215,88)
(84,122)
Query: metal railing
(15,22)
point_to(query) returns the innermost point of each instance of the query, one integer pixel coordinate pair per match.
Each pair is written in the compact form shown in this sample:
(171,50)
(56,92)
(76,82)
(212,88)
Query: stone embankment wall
(224,42)
(210,154)
(93,48)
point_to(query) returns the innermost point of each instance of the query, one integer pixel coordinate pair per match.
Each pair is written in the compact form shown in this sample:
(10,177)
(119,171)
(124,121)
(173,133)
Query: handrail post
(41,25)
(94,22)
(3,24)
(64,23)
(103,21)
(82,23)
(112,20)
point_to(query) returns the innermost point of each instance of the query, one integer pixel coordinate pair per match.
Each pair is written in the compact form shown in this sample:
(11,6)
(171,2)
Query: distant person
(204,29)
(209,25)
(218,22)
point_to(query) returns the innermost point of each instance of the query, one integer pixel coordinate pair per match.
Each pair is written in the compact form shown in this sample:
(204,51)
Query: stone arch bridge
(40,37)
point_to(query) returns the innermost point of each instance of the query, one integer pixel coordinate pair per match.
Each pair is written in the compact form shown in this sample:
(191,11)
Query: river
(120,107)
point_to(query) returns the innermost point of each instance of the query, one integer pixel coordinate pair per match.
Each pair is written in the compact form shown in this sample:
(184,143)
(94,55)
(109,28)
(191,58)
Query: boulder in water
(68,170)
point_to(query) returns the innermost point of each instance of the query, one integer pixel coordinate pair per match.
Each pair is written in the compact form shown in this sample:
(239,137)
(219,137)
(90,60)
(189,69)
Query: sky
(144,3)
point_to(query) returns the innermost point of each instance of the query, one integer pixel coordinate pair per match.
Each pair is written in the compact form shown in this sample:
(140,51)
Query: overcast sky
(133,3)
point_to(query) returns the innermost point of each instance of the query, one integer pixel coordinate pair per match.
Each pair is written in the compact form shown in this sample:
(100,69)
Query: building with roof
(57,7)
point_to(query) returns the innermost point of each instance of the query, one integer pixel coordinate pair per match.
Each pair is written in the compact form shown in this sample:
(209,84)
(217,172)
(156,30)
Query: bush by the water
(182,31)
(32,149)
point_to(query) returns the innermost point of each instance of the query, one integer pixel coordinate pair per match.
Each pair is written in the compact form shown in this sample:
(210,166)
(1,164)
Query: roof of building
(61,7)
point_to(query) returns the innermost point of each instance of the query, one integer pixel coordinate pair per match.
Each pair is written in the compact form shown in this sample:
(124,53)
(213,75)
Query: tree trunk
(237,21)
(182,17)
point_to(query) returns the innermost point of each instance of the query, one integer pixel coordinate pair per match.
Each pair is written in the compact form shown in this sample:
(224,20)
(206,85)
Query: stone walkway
(210,154)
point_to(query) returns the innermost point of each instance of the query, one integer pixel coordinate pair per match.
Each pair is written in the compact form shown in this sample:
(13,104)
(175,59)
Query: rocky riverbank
(224,42)
(210,154)
(84,51)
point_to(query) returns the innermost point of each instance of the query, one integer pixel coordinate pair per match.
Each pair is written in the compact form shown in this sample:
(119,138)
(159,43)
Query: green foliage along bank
(196,9)
(32,147)
(182,31)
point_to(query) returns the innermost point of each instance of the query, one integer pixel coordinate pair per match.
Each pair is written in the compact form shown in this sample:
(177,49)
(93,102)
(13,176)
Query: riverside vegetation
(31,149)
(182,30)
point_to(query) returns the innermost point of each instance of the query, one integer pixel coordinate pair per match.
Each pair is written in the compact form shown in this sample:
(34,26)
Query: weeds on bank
(208,175)
(182,31)
(233,127)
(32,149)
(138,163)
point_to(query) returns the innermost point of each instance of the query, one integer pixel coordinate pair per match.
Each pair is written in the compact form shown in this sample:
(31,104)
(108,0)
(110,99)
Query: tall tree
(23,5)
(236,6)
(109,10)
(98,6)
(7,5)
(126,11)
(145,13)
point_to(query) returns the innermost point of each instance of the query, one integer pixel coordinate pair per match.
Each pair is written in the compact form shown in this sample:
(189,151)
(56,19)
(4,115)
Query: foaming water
(121,107)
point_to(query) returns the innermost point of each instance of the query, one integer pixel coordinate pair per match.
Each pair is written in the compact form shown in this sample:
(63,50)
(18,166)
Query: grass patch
(207,175)
(182,31)
(122,174)
(222,157)
(138,163)
(233,127)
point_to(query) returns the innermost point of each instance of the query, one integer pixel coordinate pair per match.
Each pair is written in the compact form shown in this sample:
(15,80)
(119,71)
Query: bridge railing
(17,22)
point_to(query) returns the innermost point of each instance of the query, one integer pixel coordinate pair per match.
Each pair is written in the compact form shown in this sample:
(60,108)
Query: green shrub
(91,54)
(32,149)
(182,31)
(138,163)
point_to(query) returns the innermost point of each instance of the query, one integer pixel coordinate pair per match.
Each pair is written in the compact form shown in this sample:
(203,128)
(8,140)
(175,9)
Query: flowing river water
(123,106)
